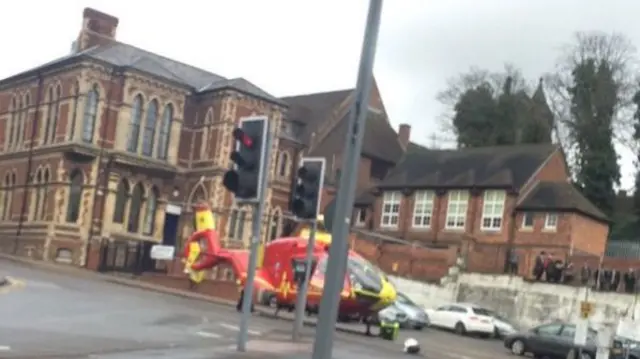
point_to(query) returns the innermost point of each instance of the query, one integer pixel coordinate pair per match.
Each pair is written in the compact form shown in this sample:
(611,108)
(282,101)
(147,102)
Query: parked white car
(463,318)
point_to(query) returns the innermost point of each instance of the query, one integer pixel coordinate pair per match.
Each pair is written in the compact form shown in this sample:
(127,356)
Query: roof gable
(559,196)
(484,167)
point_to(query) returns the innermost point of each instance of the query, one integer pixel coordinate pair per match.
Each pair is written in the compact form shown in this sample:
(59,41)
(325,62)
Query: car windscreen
(482,311)
(401,298)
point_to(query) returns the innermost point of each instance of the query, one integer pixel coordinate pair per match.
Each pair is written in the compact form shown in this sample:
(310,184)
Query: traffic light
(243,180)
(306,194)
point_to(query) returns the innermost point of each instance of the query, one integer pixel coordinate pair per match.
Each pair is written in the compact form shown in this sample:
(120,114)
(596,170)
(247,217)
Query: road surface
(56,315)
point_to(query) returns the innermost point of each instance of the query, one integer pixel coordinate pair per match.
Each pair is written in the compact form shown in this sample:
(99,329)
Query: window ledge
(454,229)
(491,230)
(550,230)
(526,229)
(421,229)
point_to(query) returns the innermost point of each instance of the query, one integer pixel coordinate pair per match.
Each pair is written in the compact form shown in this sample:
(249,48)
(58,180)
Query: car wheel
(517,347)
(460,329)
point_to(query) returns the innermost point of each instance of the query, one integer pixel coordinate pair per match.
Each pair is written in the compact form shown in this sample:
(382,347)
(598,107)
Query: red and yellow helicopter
(366,288)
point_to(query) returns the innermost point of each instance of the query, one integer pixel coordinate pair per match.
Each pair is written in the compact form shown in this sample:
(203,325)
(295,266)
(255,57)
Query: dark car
(555,341)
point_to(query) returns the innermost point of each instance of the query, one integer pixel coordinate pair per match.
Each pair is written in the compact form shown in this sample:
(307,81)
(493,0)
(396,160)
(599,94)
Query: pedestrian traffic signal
(248,158)
(307,192)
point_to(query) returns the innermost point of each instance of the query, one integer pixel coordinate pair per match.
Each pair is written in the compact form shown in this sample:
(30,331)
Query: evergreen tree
(474,117)
(593,103)
(538,124)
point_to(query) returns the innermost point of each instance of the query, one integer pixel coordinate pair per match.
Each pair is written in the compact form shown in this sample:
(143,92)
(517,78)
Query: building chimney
(98,29)
(404,135)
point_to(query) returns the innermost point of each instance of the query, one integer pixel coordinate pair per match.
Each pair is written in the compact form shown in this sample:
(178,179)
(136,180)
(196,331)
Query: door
(170,231)
(457,314)
(545,339)
(439,316)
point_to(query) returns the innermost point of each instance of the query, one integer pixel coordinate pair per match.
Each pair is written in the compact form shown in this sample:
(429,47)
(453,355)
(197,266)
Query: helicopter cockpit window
(364,274)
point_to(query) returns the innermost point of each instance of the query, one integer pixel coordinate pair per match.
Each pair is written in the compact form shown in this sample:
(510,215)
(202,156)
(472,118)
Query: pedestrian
(630,281)
(538,266)
(512,265)
(585,274)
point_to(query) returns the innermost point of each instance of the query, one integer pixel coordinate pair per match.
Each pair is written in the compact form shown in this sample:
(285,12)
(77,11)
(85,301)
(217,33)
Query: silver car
(405,312)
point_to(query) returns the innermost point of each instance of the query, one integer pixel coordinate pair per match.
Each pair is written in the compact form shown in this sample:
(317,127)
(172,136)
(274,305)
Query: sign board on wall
(162,252)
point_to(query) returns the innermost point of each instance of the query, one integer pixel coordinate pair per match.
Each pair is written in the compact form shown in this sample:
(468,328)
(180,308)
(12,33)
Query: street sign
(162,252)
(586,309)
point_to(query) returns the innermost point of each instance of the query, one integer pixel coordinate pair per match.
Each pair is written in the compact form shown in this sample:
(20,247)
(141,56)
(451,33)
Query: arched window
(134,210)
(165,132)
(35,212)
(44,189)
(75,196)
(12,124)
(122,195)
(283,164)
(236,224)
(134,124)
(206,134)
(274,226)
(90,114)
(7,196)
(74,115)
(53,126)
(150,211)
(47,124)
(23,120)
(150,128)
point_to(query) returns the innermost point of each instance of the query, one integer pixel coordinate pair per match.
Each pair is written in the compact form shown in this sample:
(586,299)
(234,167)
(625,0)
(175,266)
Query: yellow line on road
(12,284)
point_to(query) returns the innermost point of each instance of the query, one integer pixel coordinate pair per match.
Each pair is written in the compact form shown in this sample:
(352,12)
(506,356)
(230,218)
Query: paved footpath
(66,312)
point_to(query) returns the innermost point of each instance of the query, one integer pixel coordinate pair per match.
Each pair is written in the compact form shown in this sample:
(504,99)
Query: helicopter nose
(388,293)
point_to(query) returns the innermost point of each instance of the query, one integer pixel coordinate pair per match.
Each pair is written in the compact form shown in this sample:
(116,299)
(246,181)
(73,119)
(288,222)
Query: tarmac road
(57,315)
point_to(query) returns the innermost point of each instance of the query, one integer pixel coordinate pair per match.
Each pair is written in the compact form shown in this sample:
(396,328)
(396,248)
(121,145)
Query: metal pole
(301,301)
(247,298)
(336,267)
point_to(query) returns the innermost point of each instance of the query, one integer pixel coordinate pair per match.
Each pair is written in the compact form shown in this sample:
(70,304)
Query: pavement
(48,311)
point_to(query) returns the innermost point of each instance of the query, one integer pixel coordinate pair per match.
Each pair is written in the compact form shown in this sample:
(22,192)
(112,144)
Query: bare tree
(475,77)
(620,54)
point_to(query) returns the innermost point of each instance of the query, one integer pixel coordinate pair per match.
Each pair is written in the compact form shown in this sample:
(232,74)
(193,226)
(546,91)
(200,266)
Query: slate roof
(559,196)
(506,167)
(128,56)
(380,139)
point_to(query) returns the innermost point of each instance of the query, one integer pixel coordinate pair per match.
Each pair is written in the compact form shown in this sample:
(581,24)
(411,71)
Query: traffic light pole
(301,301)
(336,267)
(247,298)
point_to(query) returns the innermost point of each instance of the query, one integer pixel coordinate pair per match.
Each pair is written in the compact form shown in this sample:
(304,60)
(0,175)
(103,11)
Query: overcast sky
(301,46)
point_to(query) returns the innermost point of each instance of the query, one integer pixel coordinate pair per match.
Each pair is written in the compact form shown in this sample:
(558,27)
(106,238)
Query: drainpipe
(29,179)
(101,181)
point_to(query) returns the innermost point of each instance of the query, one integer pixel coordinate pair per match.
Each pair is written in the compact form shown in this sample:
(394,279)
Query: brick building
(112,141)
(490,199)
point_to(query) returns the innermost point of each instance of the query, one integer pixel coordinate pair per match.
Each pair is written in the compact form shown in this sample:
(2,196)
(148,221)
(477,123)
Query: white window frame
(493,209)
(526,215)
(551,225)
(358,220)
(457,207)
(422,209)
(390,216)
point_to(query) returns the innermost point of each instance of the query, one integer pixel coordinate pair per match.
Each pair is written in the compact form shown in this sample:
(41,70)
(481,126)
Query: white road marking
(230,327)
(209,334)
(5,348)
(237,329)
